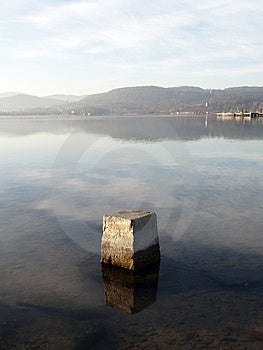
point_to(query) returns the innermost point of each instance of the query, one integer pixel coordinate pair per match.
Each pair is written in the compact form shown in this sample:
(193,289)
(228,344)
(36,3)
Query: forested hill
(158,100)
(147,100)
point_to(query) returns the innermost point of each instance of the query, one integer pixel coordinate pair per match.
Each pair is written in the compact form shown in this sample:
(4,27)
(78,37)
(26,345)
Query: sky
(92,46)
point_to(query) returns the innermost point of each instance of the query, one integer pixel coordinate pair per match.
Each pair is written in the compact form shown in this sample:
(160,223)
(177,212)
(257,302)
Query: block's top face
(129,214)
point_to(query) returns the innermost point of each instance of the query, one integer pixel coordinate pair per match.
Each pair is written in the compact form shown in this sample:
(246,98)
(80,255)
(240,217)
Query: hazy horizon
(14,93)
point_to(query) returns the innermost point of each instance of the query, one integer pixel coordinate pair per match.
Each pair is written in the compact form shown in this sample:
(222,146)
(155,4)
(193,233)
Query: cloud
(184,36)
(180,29)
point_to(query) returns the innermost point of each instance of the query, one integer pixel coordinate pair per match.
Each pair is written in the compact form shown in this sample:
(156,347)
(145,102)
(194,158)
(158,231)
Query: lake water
(204,179)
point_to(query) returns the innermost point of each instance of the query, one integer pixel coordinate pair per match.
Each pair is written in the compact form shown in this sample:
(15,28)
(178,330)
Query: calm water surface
(203,178)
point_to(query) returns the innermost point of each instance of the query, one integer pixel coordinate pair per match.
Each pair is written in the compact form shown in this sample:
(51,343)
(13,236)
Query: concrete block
(130,239)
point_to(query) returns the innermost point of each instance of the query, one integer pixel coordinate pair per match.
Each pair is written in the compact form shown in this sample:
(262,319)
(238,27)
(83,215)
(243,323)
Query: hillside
(237,98)
(146,100)
(158,100)
(141,100)
(22,102)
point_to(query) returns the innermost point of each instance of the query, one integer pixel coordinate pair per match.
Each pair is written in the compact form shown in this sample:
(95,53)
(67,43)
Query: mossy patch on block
(130,239)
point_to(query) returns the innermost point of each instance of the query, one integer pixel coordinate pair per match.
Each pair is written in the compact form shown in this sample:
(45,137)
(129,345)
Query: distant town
(240,115)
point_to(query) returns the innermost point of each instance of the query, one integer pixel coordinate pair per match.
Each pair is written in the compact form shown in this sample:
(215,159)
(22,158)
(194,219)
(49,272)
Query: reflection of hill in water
(139,128)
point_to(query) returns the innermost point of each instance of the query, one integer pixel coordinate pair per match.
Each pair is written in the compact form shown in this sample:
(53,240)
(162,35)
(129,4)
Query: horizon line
(16,93)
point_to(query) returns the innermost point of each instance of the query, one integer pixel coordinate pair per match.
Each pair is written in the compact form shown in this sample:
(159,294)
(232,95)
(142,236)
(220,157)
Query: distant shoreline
(140,100)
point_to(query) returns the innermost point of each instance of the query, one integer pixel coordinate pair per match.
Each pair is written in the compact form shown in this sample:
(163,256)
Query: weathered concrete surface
(130,239)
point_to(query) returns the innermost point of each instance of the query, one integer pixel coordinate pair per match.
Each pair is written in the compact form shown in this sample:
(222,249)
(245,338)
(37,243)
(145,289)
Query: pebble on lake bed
(130,239)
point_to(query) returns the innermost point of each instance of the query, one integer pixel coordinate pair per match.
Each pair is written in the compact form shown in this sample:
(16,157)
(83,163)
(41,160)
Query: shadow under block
(130,239)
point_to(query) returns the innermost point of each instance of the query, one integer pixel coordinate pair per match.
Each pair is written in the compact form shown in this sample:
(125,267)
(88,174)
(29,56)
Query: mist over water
(203,178)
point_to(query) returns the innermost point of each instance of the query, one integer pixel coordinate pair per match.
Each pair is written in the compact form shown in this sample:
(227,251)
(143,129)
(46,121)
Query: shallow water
(203,178)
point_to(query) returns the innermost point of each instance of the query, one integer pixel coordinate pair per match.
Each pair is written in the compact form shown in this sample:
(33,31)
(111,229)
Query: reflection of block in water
(130,239)
(130,291)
